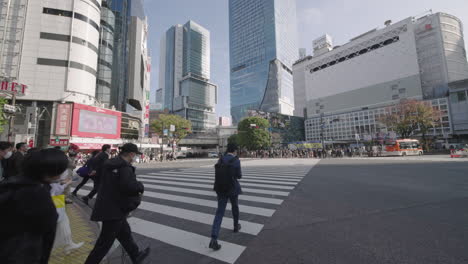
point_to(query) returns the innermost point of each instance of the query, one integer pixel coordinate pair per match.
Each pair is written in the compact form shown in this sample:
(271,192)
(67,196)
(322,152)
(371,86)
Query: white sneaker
(73,246)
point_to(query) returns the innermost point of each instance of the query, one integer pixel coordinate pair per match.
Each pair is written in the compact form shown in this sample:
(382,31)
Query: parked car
(213,155)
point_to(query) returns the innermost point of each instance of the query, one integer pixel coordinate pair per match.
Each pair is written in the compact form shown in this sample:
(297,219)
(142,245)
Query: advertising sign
(59,142)
(95,122)
(305,145)
(13,88)
(63,119)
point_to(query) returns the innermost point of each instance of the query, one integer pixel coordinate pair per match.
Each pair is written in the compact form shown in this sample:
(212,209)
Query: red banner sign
(63,118)
(13,88)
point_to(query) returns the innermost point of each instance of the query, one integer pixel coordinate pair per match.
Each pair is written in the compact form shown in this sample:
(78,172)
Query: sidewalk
(83,230)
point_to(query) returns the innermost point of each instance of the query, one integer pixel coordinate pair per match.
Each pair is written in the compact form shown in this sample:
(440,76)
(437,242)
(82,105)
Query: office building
(184,82)
(348,87)
(65,51)
(263,47)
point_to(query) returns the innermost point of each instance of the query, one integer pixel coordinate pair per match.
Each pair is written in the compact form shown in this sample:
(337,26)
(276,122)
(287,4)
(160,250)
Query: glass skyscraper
(184,75)
(263,47)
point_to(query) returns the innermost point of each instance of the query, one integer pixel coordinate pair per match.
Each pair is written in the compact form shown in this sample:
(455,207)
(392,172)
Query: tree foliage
(410,117)
(182,126)
(253,133)
(3,119)
(234,139)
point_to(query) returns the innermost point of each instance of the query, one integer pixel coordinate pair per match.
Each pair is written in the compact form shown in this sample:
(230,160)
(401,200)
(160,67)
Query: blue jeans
(222,202)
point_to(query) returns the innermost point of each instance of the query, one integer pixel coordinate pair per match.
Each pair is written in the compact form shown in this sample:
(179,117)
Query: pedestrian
(73,151)
(96,171)
(5,153)
(63,235)
(16,160)
(27,228)
(119,194)
(86,172)
(227,187)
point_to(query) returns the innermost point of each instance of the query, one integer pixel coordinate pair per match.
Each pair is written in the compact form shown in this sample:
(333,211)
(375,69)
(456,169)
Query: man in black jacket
(119,194)
(96,166)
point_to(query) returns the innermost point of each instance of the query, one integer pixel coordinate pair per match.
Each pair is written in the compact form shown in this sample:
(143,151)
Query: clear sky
(342,19)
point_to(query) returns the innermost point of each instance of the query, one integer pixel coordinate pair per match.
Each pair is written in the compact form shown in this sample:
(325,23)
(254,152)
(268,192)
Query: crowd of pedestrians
(341,152)
(35,187)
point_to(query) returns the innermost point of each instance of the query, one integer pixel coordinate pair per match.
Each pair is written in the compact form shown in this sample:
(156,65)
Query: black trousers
(111,230)
(82,183)
(95,188)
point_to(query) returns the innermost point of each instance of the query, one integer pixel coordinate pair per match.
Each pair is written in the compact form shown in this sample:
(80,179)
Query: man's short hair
(231,148)
(105,147)
(19,145)
(129,148)
(5,145)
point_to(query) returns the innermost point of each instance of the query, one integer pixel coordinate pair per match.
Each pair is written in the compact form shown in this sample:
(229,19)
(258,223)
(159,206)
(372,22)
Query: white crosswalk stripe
(187,195)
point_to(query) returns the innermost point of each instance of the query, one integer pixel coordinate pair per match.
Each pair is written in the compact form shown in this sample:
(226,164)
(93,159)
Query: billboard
(95,122)
(62,119)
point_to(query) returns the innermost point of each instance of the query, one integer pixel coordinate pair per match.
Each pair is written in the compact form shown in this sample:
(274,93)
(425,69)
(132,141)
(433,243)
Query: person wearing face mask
(28,226)
(96,166)
(119,194)
(5,153)
(16,161)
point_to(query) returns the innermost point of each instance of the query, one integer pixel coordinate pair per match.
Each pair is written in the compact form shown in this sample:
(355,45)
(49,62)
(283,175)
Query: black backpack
(224,176)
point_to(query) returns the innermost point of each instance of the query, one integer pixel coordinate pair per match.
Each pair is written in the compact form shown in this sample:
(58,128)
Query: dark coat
(237,173)
(27,230)
(97,164)
(13,167)
(119,192)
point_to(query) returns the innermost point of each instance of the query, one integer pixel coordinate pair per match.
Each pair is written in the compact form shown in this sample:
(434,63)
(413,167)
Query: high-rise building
(184,76)
(415,58)
(67,51)
(302,53)
(263,47)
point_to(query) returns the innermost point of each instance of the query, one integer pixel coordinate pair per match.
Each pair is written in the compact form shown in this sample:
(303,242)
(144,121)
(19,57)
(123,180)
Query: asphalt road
(370,211)
(336,211)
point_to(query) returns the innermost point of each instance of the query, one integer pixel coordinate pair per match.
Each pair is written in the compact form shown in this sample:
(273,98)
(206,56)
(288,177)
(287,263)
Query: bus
(402,147)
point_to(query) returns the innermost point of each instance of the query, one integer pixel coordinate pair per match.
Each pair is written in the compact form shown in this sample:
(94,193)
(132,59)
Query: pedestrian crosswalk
(178,206)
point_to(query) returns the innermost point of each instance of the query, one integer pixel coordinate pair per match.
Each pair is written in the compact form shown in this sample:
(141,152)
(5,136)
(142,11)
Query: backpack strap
(233,160)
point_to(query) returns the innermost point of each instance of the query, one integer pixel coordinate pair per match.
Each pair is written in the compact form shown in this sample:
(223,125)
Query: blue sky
(342,19)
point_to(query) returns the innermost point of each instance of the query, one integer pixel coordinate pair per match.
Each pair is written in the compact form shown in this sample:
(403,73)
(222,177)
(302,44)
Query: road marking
(247,227)
(187,240)
(210,186)
(244,177)
(195,179)
(208,203)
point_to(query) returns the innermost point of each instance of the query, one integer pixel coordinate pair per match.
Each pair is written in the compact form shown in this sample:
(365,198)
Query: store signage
(13,88)
(59,142)
(63,119)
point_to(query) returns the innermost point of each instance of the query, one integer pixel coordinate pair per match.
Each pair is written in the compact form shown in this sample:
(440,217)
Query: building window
(402,90)
(461,96)
(395,97)
(57,12)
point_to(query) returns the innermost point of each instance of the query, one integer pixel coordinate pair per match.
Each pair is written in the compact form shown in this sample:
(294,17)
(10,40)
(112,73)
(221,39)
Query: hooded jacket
(29,221)
(119,191)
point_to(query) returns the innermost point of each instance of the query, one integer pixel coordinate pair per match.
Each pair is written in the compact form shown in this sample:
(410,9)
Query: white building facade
(347,88)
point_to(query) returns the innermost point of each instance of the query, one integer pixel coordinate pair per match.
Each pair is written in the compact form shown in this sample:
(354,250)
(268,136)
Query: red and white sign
(63,119)
(13,88)
(95,122)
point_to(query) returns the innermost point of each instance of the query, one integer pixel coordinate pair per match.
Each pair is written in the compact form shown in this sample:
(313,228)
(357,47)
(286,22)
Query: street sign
(11,109)
(59,142)
(165,132)
(172,128)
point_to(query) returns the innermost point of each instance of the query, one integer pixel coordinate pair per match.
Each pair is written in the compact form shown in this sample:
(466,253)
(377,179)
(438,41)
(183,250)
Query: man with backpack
(119,194)
(227,187)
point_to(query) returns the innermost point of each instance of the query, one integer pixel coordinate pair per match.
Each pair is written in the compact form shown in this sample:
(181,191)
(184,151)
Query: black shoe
(85,200)
(214,244)
(237,228)
(74,194)
(142,256)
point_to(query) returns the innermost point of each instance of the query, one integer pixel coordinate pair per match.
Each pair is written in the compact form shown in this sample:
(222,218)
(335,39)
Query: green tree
(182,126)
(234,139)
(411,117)
(3,119)
(253,133)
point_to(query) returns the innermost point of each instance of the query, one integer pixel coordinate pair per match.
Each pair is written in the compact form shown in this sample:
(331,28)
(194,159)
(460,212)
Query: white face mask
(8,155)
(135,158)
